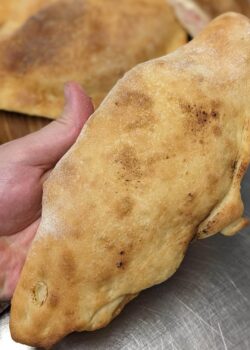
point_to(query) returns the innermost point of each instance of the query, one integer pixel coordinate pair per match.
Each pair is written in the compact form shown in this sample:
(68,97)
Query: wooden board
(15,125)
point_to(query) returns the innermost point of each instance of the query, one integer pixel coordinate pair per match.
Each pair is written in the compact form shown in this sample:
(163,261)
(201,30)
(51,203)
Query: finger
(50,143)
(13,252)
(46,146)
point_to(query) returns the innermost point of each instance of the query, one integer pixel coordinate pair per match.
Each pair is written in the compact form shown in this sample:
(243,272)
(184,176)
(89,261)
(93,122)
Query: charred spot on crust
(120,264)
(201,112)
(233,165)
(190,196)
(200,115)
(211,224)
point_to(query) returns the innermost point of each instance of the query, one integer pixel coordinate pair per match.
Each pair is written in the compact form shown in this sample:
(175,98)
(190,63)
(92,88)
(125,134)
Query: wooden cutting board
(15,125)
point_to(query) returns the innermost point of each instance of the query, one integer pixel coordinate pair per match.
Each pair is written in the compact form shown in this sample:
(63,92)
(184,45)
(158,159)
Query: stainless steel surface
(3,306)
(205,305)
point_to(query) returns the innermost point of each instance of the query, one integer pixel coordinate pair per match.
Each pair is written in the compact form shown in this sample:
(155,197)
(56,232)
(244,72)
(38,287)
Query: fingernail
(68,99)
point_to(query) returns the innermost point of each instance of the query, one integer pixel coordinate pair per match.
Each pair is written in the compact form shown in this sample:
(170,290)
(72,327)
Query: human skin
(24,166)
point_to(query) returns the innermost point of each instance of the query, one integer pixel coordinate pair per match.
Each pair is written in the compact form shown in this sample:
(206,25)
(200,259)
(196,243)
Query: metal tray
(204,306)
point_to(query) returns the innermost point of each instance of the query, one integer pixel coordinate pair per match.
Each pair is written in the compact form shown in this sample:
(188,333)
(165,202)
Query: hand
(24,166)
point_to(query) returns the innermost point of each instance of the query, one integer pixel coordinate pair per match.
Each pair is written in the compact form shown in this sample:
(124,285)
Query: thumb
(46,146)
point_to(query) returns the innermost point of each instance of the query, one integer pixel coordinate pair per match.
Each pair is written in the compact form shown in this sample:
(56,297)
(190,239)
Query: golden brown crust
(93,42)
(14,13)
(121,207)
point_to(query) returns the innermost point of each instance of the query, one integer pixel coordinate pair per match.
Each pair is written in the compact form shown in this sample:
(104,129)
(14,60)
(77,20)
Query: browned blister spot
(67,264)
(141,121)
(202,113)
(129,163)
(134,98)
(139,106)
(217,131)
(107,243)
(69,313)
(77,234)
(157,157)
(212,180)
(69,168)
(53,300)
(124,207)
